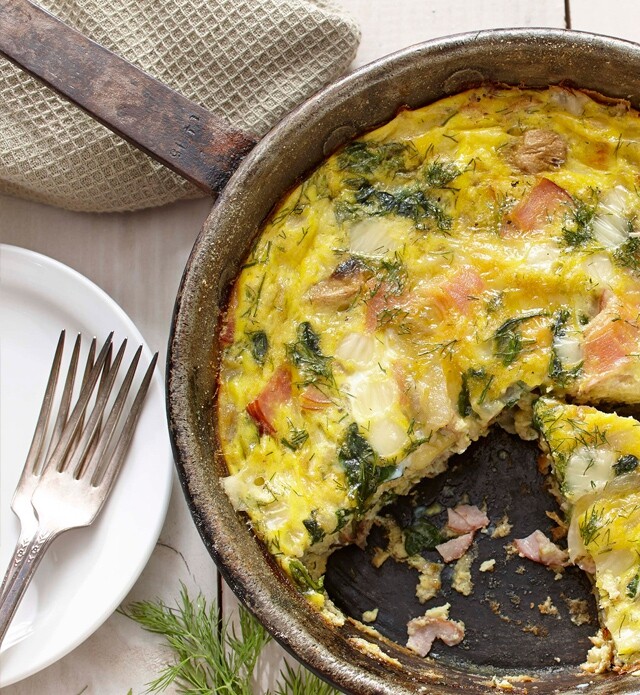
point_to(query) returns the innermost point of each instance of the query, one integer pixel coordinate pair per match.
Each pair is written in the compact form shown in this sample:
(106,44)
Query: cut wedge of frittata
(595,458)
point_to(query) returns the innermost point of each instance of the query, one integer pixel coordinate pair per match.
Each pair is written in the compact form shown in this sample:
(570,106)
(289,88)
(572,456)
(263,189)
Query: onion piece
(567,99)
(387,437)
(542,256)
(356,348)
(588,469)
(434,399)
(600,269)
(610,226)
(569,349)
(371,397)
(616,561)
(276,515)
(374,236)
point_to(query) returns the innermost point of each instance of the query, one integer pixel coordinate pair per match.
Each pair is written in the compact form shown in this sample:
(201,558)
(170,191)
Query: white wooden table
(138,259)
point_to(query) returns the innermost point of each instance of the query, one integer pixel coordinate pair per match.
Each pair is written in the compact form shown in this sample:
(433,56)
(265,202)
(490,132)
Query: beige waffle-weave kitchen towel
(250,61)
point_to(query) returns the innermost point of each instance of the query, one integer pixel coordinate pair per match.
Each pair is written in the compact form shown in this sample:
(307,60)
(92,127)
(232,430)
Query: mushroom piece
(538,150)
(340,289)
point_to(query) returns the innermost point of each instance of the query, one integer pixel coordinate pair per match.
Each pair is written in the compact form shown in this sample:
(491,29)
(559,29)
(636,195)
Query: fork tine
(91,357)
(31,463)
(112,420)
(59,454)
(73,447)
(74,462)
(65,401)
(101,386)
(114,463)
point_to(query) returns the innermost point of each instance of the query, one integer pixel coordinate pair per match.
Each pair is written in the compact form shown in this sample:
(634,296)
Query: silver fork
(64,485)
(21,501)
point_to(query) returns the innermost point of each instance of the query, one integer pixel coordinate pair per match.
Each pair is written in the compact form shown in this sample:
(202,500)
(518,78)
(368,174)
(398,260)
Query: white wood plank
(389,25)
(137,258)
(620,18)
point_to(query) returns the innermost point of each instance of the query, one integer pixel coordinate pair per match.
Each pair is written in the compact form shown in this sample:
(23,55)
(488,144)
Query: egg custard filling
(471,261)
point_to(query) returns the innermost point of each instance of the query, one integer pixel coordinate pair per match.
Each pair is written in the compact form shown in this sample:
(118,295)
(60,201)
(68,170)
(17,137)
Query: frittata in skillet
(433,277)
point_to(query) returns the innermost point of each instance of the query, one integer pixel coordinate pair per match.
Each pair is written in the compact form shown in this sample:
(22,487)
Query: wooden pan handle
(178,133)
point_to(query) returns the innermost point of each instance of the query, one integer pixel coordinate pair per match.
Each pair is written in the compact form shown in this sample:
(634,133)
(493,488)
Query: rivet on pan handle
(178,133)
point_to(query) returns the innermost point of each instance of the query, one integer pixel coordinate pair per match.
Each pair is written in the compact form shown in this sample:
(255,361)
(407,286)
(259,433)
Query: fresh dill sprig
(627,255)
(211,656)
(362,157)
(421,206)
(558,371)
(392,275)
(591,526)
(252,298)
(508,340)
(306,355)
(579,228)
(297,437)
(439,174)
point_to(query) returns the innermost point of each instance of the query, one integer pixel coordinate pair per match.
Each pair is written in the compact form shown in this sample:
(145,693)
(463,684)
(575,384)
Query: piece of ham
(542,202)
(608,345)
(434,624)
(611,338)
(538,548)
(312,398)
(461,290)
(455,548)
(264,408)
(466,518)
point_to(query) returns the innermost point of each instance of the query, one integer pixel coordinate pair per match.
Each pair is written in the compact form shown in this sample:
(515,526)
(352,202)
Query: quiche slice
(595,459)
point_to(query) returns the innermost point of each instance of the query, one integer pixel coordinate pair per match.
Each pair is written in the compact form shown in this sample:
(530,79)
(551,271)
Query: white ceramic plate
(86,572)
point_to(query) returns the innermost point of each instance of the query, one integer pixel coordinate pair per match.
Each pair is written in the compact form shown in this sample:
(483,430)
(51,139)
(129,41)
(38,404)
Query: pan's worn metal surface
(361,101)
(517,616)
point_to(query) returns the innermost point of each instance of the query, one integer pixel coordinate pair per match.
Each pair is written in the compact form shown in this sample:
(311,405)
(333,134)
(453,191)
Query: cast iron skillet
(506,633)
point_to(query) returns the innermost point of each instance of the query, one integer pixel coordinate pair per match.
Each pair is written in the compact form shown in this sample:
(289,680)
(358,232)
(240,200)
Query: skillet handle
(177,132)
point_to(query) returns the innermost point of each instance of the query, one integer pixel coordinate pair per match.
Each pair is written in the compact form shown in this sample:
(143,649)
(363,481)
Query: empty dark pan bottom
(510,616)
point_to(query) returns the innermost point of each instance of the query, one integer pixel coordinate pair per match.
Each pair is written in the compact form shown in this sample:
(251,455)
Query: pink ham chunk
(611,337)
(461,290)
(538,548)
(466,518)
(264,408)
(455,548)
(433,625)
(544,201)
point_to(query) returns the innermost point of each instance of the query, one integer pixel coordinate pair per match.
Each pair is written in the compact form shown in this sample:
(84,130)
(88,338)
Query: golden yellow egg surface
(458,262)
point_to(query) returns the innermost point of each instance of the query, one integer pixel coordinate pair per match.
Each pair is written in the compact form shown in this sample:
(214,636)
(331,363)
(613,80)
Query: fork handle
(18,583)
(19,554)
